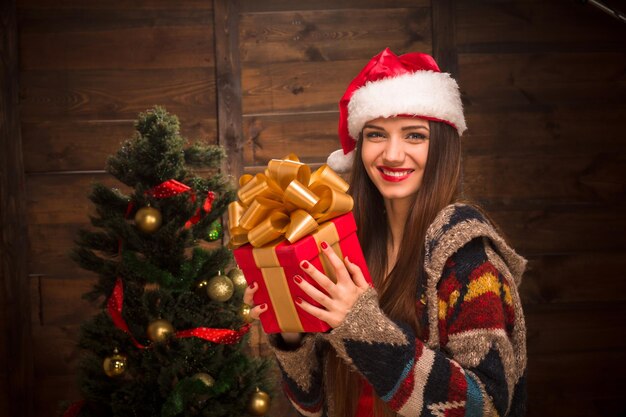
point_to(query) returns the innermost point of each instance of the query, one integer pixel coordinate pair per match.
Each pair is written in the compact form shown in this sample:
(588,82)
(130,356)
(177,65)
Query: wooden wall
(86,70)
(544,90)
(543,87)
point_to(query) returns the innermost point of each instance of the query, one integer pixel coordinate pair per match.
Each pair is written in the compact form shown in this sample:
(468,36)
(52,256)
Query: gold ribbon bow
(286,201)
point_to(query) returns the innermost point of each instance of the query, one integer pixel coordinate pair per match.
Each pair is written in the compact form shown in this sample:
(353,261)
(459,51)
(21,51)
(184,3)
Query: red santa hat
(389,85)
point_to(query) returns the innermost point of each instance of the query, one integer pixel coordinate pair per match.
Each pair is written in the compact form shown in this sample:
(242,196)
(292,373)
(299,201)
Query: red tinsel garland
(171,188)
(221,336)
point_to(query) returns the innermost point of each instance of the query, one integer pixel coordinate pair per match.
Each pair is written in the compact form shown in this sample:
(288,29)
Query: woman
(442,333)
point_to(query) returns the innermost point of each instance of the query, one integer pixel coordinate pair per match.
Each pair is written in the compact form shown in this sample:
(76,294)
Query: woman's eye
(416,136)
(374,135)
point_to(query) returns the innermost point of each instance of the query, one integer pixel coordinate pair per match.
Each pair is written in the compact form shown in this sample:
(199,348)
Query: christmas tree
(170,338)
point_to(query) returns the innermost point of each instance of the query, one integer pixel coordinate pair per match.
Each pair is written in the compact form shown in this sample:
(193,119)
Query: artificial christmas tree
(169,341)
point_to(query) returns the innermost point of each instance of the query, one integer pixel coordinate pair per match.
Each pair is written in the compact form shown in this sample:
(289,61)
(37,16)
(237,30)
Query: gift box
(281,218)
(274,266)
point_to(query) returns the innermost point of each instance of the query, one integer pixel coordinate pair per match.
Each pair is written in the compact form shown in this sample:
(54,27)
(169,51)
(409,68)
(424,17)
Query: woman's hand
(291,339)
(248,298)
(340,296)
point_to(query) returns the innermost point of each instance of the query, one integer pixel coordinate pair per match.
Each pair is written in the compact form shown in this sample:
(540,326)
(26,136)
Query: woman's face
(394,153)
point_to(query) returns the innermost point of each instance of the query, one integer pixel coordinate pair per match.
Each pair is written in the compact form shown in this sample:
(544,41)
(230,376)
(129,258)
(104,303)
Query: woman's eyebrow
(414,127)
(373,127)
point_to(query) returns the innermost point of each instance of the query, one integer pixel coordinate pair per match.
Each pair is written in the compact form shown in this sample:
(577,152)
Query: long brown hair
(396,292)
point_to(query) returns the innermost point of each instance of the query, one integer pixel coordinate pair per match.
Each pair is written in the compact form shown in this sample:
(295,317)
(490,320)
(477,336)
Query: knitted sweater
(470,359)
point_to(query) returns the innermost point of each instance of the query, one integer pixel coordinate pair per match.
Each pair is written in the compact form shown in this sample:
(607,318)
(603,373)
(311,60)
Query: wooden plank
(575,404)
(228,80)
(536,26)
(51,390)
(310,136)
(17,359)
(50,250)
(63,199)
(444,42)
(62,303)
(561,131)
(255,6)
(145,5)
(566,278)
(558,330)
(562,229)
(296,87)
(505,81)
(86,20)
(116,94)
(332,35)
(597,373)
(85,145)
(161,47)
(56,349)
(531,180)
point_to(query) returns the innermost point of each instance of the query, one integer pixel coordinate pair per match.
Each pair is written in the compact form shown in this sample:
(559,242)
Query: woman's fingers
(312,292)
(320,313)
(248,295)
(341,272)
(255,312)
(318,276)
(357,274)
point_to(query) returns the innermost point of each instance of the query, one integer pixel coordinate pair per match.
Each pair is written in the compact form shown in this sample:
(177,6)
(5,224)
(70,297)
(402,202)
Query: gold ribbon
(285,201)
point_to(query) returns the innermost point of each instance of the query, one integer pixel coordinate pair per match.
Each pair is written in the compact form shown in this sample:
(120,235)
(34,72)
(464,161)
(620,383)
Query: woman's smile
(394,174)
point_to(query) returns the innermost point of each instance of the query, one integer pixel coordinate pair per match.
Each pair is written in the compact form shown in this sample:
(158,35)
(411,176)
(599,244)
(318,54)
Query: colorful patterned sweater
(470,360)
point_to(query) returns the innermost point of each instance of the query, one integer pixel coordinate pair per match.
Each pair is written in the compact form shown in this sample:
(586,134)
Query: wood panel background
(543,84)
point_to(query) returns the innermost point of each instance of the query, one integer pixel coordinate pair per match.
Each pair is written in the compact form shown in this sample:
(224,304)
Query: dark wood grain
(444,32)
(310,136)
(119,5)
(16,361)
(249,6)
(530,27)
(115,94)
(506,81)
(108,47)
(573,277)
(228,80)
(332,35)
(85,145)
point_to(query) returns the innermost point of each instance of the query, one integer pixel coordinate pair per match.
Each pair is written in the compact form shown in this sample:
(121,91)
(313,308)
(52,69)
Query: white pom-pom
(339,161)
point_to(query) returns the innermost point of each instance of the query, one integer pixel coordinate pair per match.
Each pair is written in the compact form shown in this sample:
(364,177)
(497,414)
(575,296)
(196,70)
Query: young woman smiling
(442,332)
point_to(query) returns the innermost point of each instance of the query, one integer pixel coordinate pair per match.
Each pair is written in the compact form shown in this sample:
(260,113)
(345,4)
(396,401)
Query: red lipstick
(394,178)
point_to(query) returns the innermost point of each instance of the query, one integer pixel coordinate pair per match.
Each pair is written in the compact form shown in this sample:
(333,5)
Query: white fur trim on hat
(339,161)
(422,93)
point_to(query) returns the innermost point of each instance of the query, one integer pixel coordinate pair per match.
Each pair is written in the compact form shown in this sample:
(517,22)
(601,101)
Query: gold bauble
(244,312)
(115,365)
(208,380)
(259,403)
(220,288)
(236,275)
(148,219)
(160,330)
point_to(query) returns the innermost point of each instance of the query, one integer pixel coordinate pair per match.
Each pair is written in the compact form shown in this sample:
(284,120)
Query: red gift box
(274,266)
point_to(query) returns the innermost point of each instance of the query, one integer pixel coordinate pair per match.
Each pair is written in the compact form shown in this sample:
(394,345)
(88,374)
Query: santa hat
(390,85)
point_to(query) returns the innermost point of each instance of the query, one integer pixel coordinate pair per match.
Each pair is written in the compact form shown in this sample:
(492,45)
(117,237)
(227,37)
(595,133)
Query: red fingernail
(298,279)
(305,265)
(264,306)
(324,245)
(251,285)
(298,300)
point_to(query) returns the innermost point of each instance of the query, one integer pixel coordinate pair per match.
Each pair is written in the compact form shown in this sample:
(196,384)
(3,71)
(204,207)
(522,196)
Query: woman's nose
(394,151)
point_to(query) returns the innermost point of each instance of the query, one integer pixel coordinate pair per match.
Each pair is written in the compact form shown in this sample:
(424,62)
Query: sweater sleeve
(301,370)
(474,371)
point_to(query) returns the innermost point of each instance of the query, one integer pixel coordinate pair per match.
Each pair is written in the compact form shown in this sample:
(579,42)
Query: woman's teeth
(397,173)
